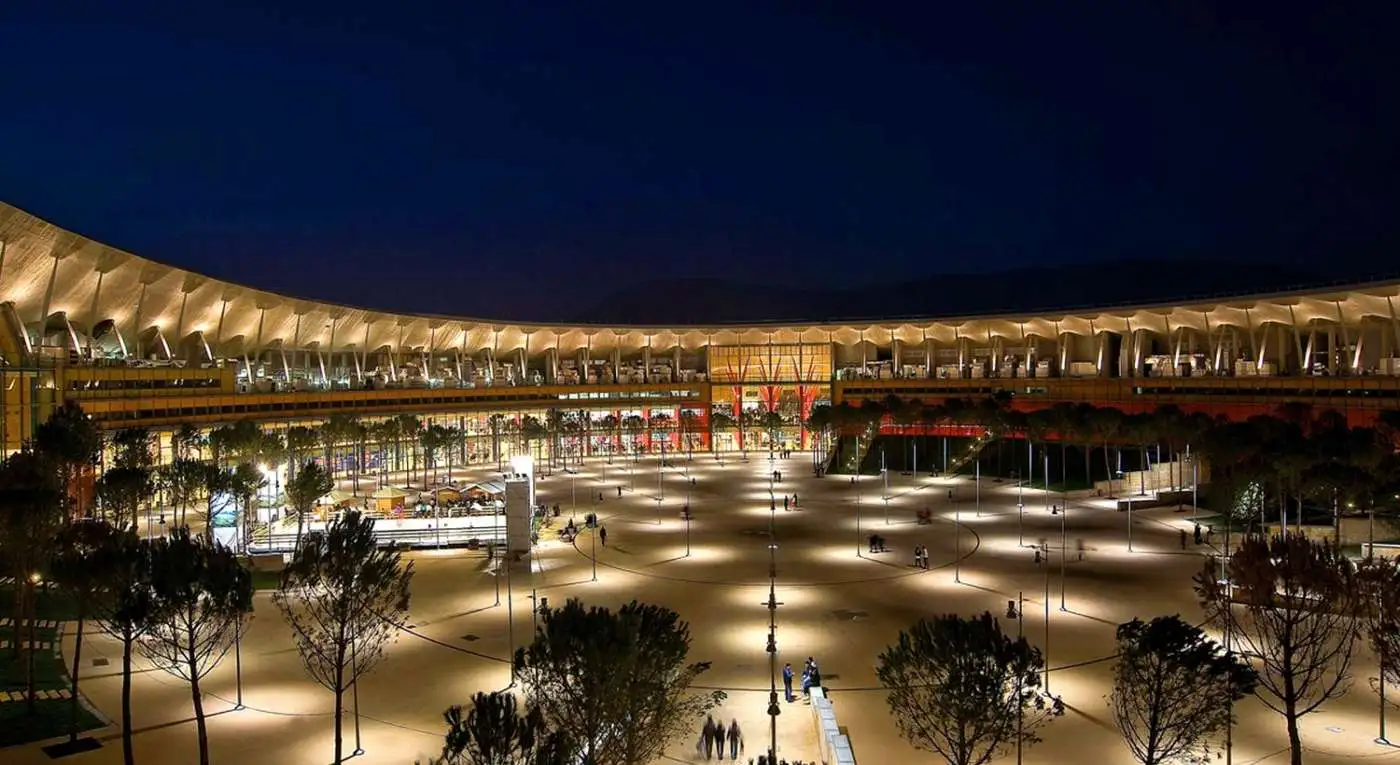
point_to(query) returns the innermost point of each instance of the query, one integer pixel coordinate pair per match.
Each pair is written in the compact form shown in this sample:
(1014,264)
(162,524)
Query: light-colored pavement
(841,604)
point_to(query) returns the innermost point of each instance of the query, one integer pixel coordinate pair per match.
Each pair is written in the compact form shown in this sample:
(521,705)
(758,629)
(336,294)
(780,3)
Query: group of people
(784,454)
(1196,534)
(777,476)
(810,676)
(920,556)
(877,544)
(713,736)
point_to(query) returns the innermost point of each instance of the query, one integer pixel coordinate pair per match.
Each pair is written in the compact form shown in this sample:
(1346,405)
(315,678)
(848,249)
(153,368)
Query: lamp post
(885,480)
(1020,511)
(1046,457)
(957,544)
(773,709)
(1020,633)
(977,485)
(1047,618)
(238,669)
(1064,547)
(859,536)
(510,616)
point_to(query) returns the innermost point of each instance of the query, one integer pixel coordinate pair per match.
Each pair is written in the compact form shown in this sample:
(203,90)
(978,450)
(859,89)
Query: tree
(182,480)
(345,599)
(121,490)
(72,443)
(310,484)
(1174,689)
(1292,603)
(201,595)
(494,733)
(245,482)
(957,687)
(78,568)
(31,511)
(618,683)
(126,614)
(1380,593)
(132,447)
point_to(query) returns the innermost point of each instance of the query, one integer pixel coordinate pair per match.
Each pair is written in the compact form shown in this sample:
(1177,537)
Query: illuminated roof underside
(52,275)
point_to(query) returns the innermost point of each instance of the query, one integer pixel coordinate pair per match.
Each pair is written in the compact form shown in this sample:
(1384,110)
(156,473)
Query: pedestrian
(814,676)
(619,492)
(603,535)
(719,740)
(1183,539)
(787,681)
(807,680)
(1197,534)
(736,739)
(785,502)
(872,543)
(1079,548)
(918,561)
(923,551)
(707,736)
(1037,556)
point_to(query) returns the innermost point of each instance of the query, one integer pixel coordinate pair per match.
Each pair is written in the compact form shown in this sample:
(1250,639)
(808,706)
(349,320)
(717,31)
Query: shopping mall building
(139,343)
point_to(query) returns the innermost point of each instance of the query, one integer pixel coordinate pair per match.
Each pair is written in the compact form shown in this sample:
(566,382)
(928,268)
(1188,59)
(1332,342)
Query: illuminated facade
(140,343)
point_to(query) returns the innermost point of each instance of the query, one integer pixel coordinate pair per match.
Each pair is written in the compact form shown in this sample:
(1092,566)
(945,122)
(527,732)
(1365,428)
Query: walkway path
(841,604)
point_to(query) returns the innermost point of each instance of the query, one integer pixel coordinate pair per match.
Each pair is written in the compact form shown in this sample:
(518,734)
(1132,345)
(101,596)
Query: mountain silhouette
(704,301)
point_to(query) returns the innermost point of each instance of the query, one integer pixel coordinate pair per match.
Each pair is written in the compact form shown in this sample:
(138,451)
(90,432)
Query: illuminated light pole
(1020,514)
(977,482)
(772,647)
(957,544)
(1020,633)
(1064,546)
(859,536)
(1047,618)
(510,616)
(1046,457)
(238,667)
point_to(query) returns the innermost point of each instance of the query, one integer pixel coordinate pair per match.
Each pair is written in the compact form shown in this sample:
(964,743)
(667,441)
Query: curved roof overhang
(46,270)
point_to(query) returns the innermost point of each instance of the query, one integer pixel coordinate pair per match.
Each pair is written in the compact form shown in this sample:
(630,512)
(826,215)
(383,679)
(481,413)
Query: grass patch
(48,670)
(266,580)
(50,720)
(53,604)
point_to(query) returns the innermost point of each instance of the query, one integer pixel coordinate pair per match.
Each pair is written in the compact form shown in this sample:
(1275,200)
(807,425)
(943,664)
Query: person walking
(707,736)
(719,740)
(1197,533)
(736,739)
(1183,539)
(787,681)
(619,493)
(603,535)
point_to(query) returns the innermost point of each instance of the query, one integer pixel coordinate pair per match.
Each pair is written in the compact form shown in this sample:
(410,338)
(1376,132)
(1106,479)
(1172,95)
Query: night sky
(526,159)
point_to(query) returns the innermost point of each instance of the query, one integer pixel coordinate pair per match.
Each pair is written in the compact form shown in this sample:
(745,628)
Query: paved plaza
(840,604)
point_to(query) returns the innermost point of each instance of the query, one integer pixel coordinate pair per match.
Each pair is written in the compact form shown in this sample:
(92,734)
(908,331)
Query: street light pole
(977,481)
(1047,618)
(1021,512)
(1064,546)
(1020,633)
(773,709)
(957,544)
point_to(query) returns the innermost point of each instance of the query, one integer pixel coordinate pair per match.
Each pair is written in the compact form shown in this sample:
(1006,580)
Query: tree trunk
(31,689)
(201,729)
(21,584)
(128,756)
(77,664)
(339,696)
(1109,467)
(1295,744)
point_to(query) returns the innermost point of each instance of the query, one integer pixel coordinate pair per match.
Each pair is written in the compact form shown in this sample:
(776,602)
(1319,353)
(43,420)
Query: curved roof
(46,270)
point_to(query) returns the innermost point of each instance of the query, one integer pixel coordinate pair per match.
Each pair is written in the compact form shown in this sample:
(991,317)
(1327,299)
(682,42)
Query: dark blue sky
(524,159)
